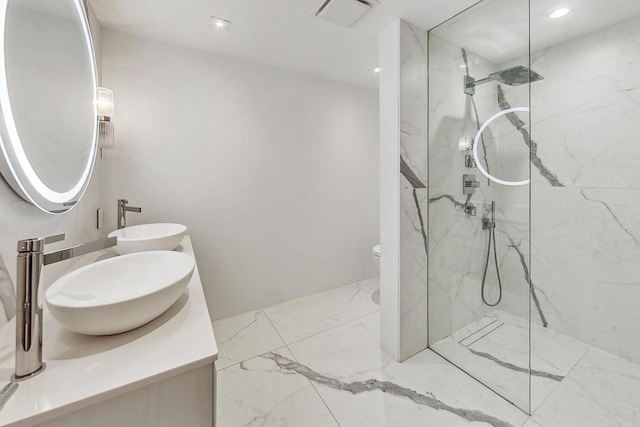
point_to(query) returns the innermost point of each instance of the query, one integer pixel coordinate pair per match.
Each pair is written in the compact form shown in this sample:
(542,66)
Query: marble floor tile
(244,336)
(602,390)
(260,392)
(333,373)
(303,317)
(364,387)
(500,359)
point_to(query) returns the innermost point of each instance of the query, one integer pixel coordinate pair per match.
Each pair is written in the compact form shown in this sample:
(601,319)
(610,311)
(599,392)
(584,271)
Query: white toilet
(376,255)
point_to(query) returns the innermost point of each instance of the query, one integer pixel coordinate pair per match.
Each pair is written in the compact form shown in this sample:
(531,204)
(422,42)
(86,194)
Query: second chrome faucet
(123,208)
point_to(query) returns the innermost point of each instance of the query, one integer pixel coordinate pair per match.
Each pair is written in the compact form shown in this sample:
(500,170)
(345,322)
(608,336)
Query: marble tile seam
(286,345)
(243,328)
(330,328)
(550,395)
(275,329)
(319,395)
(480,382)
(251,355)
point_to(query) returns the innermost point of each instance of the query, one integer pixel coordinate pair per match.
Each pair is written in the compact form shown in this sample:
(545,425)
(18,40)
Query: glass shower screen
(479,195)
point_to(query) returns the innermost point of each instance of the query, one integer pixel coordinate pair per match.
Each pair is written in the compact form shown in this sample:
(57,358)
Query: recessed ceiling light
(220,23)
(376,69)
(560,13)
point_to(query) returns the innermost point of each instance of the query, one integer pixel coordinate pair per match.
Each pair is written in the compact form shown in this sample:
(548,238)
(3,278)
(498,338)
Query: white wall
(22,220)
(389,61)
(274,173)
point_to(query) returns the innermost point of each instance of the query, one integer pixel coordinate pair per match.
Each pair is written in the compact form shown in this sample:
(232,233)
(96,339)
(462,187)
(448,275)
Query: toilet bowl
(376,255)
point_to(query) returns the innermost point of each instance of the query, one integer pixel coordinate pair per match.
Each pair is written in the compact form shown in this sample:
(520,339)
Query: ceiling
(499,31)
(278,33)
(285,34)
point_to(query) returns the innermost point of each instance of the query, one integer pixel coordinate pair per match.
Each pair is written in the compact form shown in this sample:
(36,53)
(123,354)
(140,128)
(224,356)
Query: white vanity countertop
(84,370)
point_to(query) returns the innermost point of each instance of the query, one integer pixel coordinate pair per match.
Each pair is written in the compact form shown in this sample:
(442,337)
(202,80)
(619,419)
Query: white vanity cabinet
(161,374)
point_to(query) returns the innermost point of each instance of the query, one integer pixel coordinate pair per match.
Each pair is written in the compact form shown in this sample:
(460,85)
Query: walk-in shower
(535,256)
(514,76)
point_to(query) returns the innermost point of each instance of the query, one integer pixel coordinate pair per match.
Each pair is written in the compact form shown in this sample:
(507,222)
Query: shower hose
(492,238)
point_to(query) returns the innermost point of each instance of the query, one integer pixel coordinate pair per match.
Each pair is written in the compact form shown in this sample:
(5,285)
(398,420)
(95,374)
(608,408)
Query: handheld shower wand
(490,224)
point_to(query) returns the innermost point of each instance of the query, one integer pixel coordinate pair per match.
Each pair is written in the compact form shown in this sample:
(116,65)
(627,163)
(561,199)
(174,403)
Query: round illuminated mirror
(48,120)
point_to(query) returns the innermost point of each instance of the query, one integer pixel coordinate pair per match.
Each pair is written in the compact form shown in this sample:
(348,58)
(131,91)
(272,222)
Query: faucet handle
(36,244)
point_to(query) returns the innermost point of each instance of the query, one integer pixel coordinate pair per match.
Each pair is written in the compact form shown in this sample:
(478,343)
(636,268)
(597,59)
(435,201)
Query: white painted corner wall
(390,189)
(275,174)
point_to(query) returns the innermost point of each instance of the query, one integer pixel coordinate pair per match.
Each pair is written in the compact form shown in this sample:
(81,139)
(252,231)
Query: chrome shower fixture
(514,76)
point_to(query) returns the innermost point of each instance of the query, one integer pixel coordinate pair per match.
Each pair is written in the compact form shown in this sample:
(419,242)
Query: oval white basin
(121,293)
(148,237)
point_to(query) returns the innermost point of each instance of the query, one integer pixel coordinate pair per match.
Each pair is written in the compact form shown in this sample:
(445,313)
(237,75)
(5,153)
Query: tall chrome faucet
(31,260)
(123,208)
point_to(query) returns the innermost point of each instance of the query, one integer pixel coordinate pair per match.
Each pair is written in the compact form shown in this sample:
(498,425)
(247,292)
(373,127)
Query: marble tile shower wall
(413,190)
(585,234)
(457,243)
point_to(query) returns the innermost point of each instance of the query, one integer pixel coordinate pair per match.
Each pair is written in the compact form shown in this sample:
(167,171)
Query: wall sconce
(104,107)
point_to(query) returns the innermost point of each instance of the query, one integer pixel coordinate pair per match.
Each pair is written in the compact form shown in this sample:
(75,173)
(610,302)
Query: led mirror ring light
(11,145)
(475,147)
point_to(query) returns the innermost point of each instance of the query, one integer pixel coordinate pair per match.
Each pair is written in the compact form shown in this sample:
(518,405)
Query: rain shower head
(514,76)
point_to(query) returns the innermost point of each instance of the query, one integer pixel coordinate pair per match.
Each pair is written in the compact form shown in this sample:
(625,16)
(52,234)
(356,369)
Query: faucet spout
(78,250)
(31,260)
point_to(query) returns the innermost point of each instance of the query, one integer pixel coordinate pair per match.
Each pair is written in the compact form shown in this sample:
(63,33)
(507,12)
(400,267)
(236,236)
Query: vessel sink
(120,293)
(148,237)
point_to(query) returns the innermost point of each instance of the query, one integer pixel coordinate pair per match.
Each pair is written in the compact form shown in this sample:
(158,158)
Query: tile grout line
(479,382)
(332,327)
(274,328)
(260,354)
(541,404)
(296,359)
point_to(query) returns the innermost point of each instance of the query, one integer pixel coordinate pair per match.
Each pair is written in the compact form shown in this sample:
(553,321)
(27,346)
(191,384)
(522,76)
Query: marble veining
(369,385)
(256,392)
(533,146)
(416,183)
(413,247)
(516,368)
(613,215)
(601,390)
(244,336)
(410,175)
(523,262)
(585,236)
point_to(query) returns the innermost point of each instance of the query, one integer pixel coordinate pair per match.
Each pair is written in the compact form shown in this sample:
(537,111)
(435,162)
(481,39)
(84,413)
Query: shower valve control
(469,162)
(469,184)
(470,209)
(487,224)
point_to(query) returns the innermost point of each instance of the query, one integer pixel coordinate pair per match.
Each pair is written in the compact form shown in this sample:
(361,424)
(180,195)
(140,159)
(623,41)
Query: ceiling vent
(344,12)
